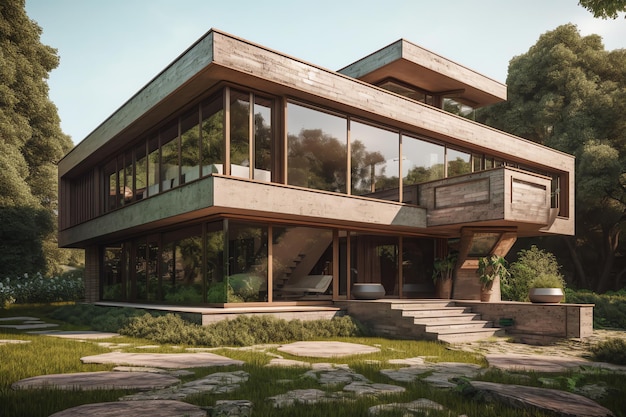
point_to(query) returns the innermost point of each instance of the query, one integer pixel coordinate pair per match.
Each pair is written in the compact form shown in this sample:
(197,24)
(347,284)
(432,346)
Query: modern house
(243,176)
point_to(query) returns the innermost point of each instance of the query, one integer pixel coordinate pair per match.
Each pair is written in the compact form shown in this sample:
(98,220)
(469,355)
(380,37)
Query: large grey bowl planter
(545,295)
(368,291)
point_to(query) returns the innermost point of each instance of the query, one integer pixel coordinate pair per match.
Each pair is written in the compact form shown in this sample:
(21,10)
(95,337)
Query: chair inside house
(306,285)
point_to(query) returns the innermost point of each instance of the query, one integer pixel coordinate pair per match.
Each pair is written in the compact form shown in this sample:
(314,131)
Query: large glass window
(375,259)
(375,160)
(316,149)
(301,262)
(212,153)
(141,171)
(169,157)
(181,266)
(263,139)
(214,250)
(153,165)
(421,161)
(417,267)
(239,134)
(247,262)
(459,162)
(113,277)
(190,146)
(110,187)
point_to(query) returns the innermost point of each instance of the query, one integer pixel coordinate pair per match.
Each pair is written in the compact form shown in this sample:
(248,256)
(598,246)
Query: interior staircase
(439,320)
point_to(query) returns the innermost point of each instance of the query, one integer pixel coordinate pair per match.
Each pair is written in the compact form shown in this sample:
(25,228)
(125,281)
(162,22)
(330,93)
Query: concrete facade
(508,185)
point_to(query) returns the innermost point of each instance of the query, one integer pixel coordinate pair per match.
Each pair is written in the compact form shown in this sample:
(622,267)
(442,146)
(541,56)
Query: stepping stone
(302,396)
(78,334)
(287,363)
(159,408)
(327,349)
(442,373)
(20,318)
(537,363)
(28,326)
(216,383)
(178,373)
(543,399)
(13,341)
(98,380)
(162,360)
(335,376)
(423,406)
(231,408)
(361,388)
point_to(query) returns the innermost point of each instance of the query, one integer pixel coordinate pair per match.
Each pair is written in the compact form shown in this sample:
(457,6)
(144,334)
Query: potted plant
(443,269)
(546,288)
(490,269)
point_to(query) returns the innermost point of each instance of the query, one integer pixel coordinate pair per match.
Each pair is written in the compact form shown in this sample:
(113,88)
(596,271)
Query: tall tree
(31,143)
(604,9)
(569,93)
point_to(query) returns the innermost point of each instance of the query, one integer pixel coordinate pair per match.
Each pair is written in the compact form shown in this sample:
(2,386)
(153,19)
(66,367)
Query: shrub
(30,289)
(609,309)
(241,331)
(610,350)
(545,280)
(529,265)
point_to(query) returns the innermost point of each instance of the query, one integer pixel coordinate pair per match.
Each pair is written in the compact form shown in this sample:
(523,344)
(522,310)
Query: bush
(611,350)
(609,310)
(529,265)
(241,331)
(31,289)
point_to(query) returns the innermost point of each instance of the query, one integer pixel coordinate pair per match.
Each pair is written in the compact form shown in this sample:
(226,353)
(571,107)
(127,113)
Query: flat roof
(411,64)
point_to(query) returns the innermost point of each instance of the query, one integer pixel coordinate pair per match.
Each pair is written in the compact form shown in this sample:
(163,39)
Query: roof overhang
(418,67)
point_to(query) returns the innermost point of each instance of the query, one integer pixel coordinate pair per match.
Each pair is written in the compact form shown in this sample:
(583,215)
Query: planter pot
(368,291)
(545,295)
(443,288)
(485,295)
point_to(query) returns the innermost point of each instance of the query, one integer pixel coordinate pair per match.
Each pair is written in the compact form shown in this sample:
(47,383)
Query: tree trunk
(570,242)
(610,244)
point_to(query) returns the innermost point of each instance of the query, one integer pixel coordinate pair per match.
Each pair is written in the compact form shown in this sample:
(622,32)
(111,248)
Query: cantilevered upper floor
(304,143)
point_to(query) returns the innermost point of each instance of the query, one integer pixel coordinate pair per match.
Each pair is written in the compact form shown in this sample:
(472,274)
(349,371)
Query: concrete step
(448,318)
(468,326)
(422,304)
(436,312)
(454,336)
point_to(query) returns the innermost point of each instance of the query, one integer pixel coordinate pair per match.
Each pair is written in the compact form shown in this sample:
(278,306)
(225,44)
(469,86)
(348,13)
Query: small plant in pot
(546,288)
(443,269)
(490,269)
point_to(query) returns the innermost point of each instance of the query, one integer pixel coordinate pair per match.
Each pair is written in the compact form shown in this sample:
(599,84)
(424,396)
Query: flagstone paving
(98,380)
(158,408)
(162,360)
(327,349)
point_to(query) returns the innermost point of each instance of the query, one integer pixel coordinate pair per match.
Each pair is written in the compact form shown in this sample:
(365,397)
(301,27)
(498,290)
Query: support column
(92,274)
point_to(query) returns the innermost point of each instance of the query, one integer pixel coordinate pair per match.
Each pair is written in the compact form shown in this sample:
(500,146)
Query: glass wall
(239,134)
(459,162)
(422,161)
(181,266)
(263,138)
(417,267)
(212,154)
(374,160)
(301,258)
(247,262)
(316,149)
(375,259)
(113,284)
(190,146)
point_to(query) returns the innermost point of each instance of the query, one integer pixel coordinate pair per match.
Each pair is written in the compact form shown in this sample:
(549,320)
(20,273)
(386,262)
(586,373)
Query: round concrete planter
(545,295)
(367,291)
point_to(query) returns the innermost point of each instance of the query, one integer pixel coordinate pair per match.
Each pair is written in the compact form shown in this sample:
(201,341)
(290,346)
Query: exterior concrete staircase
(439,320)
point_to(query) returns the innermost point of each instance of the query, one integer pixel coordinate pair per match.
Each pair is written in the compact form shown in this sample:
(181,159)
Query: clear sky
(110,49)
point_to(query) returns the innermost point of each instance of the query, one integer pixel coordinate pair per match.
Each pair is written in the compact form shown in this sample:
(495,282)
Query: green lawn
(48,355)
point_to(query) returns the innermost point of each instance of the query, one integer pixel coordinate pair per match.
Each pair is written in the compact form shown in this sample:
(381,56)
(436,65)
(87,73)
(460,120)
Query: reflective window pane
(375,161)
(263,139)
(181,267)
(169,157)
(247,262)
(141,171)
(317,155)
(459,162)
(421,161)
(153,165)
(212,153)
(239,134)
(190,146)
(214,249)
